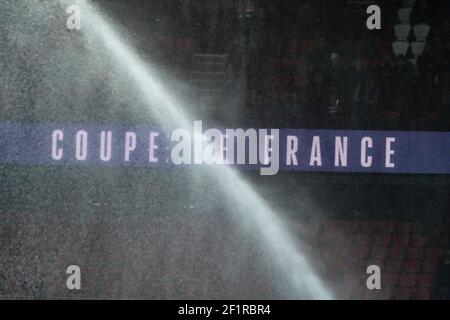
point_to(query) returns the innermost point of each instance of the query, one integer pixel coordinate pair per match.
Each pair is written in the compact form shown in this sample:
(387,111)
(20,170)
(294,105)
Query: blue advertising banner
(267,150)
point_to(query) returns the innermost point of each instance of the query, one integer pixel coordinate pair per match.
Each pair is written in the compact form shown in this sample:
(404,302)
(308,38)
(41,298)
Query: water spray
(243,199)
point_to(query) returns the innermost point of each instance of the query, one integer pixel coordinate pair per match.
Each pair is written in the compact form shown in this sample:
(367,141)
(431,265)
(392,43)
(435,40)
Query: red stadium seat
(391,115)
(412,266)
(292,47)
(346,240)
(367,227)
(328,238)
(330,226)
(404,227)
(433,253)
(363,239)
(344,293)
(423,294)
(383,294)
(415,254)
(357,266)
(386,226)
(382,239)
(443,240)
(349,226)
(350,278)
(286,65)
(383,48)
(403,293)
(408,280)
(300,82)
(339,266)
(400,240)
(417,240)
(395,253)
(417,227)
(343,252)
(389,280)
(360,251)
(167,42)
(393,266)
(378,252)
(360,294)
(429,266)
(307,46)
(284,81)
(426,281)
(269,66)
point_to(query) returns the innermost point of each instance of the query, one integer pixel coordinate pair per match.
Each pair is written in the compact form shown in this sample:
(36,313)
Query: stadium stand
(409,260)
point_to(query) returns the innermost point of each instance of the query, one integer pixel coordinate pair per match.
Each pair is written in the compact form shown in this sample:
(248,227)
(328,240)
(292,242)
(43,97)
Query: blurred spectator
(365,101)
(403,85)
(338,75)
(387,88)
(317,100)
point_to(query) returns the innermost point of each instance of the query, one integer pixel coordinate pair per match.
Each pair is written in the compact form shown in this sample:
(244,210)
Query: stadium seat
(330,226)
(328,238)
(443,239)
(417,227)
(389,280)
(345,293)
(378,252)
(383,48)
(391,115)
(433,253)
(393,266)
(404,15)
(418,240)
(360,294)
(412,266)
(368,227)
(400,240)
(386,226)
(167,43)
(364,239)
(350,279)
(343,252)
(402,32)
(356,266)
(404,227)
(407,280)
(307,46)
(395,253)
(383,294)
(347,226)
(426,281)
(344,240)
(429,266)
(300,82)
(382,239)
(421,32)
(292,47)
(414,254)
(423,294)
(285,81)
(269,66)
(403,293)
(286,65)
(360,251)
